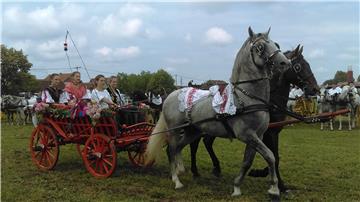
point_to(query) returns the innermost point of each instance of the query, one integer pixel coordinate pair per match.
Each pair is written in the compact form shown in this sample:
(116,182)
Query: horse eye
(277,45)
(260,48)
(297,67)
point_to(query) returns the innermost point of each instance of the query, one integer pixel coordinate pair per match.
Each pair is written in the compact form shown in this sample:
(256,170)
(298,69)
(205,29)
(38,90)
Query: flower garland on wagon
(73,110)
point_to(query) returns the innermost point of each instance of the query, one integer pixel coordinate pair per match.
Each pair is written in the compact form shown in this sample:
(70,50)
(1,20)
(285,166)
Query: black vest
(54,93)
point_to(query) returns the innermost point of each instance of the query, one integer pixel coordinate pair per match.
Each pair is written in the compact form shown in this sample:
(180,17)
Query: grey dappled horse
(13,107)
(250,79)
(347,99)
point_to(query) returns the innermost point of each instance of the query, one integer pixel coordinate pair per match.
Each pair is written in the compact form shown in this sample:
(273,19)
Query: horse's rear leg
(193,149)
(247,162)
(172,153)
(208,142)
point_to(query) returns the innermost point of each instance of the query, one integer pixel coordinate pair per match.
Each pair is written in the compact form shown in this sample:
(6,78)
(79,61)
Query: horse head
(258,57)
(300,72)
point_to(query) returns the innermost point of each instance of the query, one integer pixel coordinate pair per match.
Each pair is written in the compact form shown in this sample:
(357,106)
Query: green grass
(320,165)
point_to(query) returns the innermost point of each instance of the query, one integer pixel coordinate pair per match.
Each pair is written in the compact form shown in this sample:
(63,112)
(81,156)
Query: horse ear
(251,33)
(301,50)
(296,51)
(267,33)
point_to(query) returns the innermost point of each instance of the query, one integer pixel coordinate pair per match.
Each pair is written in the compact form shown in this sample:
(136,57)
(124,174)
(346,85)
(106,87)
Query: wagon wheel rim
(80,149)
(99,156)
(138,158)
(44,148)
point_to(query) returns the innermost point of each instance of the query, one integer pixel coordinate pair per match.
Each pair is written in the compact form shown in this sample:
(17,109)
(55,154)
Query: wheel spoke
(42,156)
(48,159)
(105,167)
(108,162)
(101,165)
(51,154)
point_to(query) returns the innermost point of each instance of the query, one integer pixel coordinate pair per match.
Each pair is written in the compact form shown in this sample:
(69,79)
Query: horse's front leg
(248,159)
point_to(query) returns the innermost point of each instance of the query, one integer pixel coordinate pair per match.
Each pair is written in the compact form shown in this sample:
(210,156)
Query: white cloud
(104,51)
(129,52)
(51,49)
(116,27)
(217,35)
(316,53)
(118,54)
(41,22)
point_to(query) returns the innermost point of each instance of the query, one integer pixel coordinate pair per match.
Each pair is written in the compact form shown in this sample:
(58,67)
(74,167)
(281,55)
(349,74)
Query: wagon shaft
(312,119)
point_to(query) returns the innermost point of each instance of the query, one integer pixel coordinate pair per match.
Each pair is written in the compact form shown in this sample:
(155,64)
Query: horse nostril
(282,63)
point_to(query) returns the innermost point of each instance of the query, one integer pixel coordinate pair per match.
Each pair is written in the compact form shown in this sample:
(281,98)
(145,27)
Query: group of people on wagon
(107,96)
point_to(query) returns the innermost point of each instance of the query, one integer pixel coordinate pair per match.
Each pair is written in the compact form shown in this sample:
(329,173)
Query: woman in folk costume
(100,94)
(114,92)
(53,94)
(75,89)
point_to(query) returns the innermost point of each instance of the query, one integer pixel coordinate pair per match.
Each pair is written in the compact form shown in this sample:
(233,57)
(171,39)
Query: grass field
(320,165)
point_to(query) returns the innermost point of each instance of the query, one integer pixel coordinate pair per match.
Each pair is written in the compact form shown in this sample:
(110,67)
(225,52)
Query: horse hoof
(179,185)
(216,173)
(237,192)
(274,191)
(275,198)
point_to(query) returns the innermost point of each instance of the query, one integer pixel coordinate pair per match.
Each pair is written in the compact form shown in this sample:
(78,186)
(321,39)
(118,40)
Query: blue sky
(192,40)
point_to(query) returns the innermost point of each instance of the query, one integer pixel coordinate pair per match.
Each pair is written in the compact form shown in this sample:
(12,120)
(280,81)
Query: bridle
(259,50)
(298,69)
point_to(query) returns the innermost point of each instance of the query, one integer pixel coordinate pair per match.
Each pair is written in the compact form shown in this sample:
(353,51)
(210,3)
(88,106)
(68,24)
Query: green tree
(160,81)
(340,76)
(15,76)
(358,79)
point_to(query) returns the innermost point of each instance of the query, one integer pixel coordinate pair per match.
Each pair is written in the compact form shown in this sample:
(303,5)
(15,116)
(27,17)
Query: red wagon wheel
(99,156)
(80,148)
(137,157)
(44,147)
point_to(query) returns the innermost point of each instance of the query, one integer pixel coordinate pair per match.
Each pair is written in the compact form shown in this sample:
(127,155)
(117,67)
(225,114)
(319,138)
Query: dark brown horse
(301,75)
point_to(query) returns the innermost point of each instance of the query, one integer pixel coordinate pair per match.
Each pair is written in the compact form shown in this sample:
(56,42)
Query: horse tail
(156,141)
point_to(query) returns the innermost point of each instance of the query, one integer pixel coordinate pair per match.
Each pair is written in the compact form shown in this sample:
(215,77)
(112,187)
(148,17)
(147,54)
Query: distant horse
(257,58)
(13,107)
(301,75)
(344,100)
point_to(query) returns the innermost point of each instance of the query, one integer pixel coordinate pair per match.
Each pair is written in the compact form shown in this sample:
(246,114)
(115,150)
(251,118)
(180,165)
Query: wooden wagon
(98,144)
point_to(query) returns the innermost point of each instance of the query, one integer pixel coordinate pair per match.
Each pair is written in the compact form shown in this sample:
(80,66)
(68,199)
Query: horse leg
(176,144)
(208,142)
(321,126)
(248,159)
(349,119)
(331,124)
(275,150)
(193,149)
(340,122)
(173,161)
(268,141)
(270,159)
(254,142)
